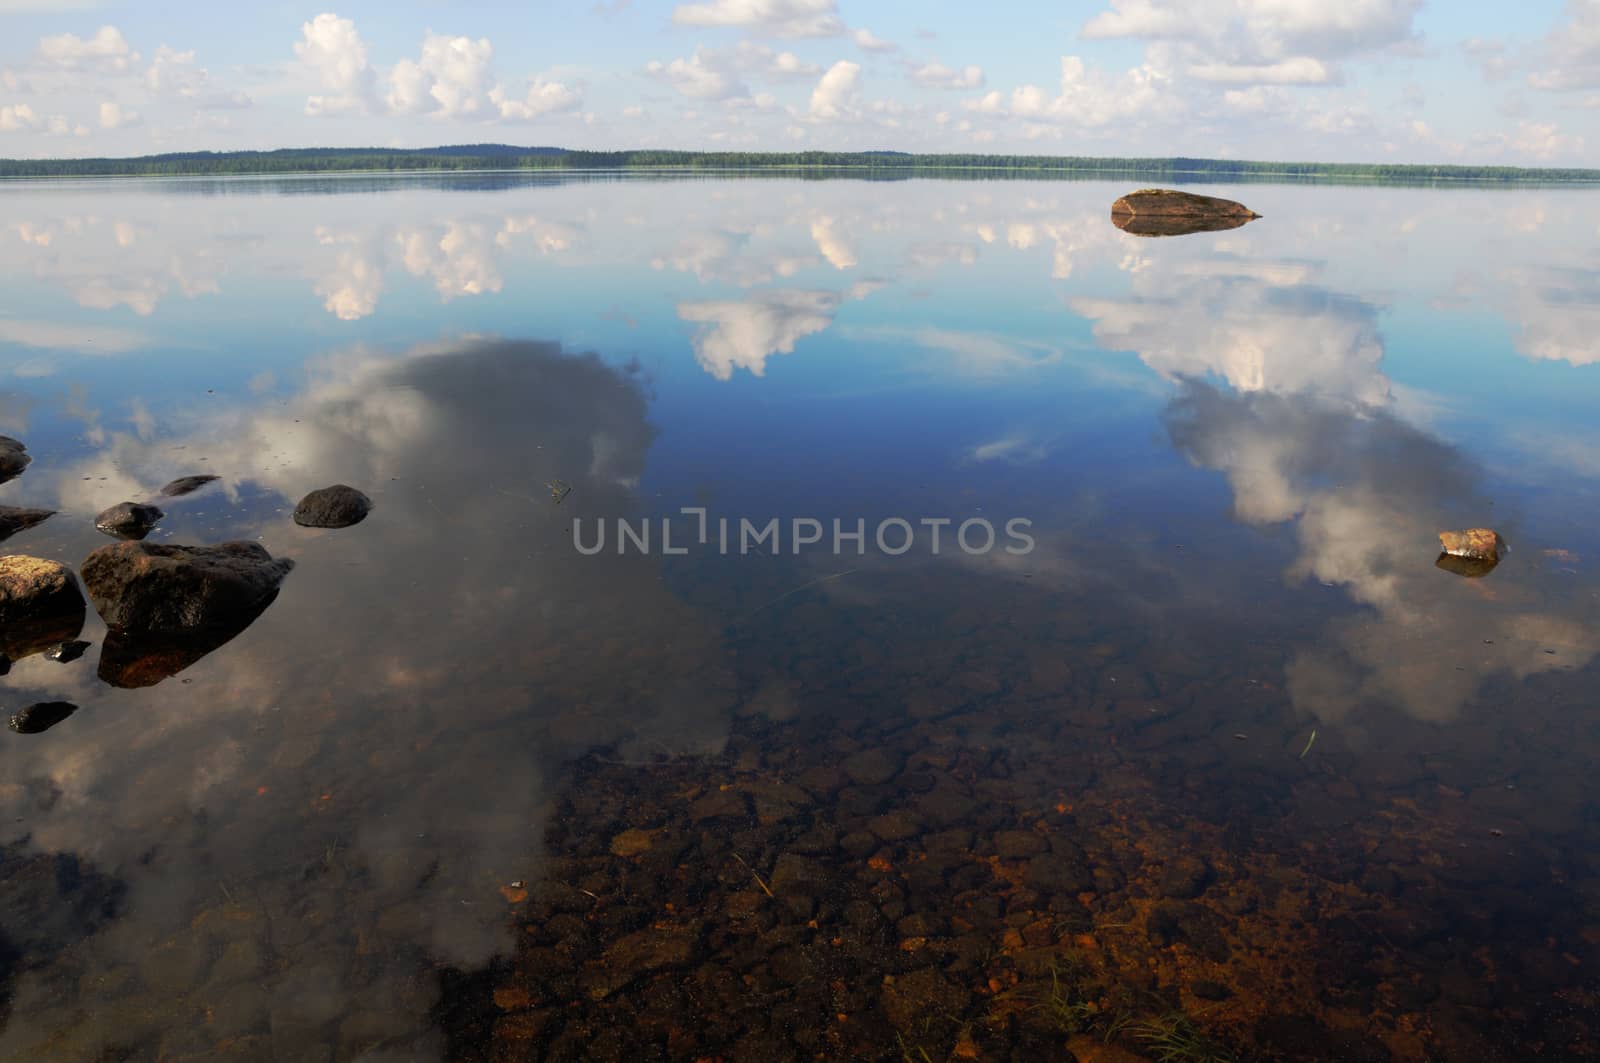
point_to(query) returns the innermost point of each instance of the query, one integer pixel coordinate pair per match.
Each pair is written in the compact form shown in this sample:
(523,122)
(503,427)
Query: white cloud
(838,95)
(333,51)
(1091,97)
(1276,41)
(867,41)
(1488,55)
(702,76)
(763,61)
(939,76)
(1570,54)
(450,78)
(107,50)
(777,18)
(114,116)
(15,118)
(542,98)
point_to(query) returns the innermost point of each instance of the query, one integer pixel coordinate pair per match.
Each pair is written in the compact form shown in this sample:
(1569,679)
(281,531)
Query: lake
(800,619)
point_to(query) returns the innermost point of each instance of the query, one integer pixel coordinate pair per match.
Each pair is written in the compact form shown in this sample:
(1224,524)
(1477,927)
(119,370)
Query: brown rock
(338,506)
(912,998)
(1480,544)
(1164,212)
(40,606)
(184,485)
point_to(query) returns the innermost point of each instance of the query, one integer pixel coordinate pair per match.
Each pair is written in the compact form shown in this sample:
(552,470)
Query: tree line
(870,163)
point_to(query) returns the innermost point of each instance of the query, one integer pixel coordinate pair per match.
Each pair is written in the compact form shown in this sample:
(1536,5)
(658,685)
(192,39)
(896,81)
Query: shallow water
(1224,756)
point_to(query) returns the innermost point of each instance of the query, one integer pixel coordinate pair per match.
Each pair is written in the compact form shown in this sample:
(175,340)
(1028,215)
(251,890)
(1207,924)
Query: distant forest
(884,164)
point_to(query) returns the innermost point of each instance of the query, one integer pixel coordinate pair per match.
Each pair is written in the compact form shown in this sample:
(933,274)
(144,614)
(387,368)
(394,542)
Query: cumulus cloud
(451,78)
(838,95)
(702,76)
(332,49)
(764,61)
(15,118)
(1273,41)
(1090,97)
(107,50)
(939,76)
(114,116)
(775,18)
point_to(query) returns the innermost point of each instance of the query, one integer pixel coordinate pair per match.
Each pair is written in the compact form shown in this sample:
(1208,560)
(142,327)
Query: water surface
(1224,756)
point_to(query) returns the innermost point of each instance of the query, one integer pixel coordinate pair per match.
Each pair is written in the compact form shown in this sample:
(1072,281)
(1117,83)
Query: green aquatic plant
(912,1053)
(1067,1001)
(1174,1038)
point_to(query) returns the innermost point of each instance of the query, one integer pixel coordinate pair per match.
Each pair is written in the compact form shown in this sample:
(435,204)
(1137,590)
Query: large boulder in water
(13,458)
(14,519)
(1164,212)
(332,507)
(184,485)
(40,606)
(169,606)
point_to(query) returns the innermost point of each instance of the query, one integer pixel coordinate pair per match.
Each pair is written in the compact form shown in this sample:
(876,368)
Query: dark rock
(169,606)
(1186,877)
(14,519)
(128,520)
(1055,873)
(639,954)
(1018,844)
(41,717)
(184,485)
(68,651)
(332,507)
(151,589)
(13,458)
(40,606)
(870,767)
(1302,1037)
(1163,212)
(1206,989)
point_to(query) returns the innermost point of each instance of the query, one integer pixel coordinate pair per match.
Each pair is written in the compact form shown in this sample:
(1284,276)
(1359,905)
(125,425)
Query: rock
(128,520)
(1054,873)
(68,651)
(1164,212)
(332,507)
(14,519)
(13,458)
(41,717)
(632,842)
(1186,877)
(40,606)
(1019,844)
(151,589)
(1472,553)
(1191,923)
(184,485)
(641,953)
(169,606)
(870,767)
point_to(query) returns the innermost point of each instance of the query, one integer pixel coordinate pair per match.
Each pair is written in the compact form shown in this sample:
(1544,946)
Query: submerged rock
(169,606)
(1164,212)
(67,652)
(128,520)
(41,717)
(332,507)
(184,485)
(1473,553)
(40,606)
(14,520)
(13,458)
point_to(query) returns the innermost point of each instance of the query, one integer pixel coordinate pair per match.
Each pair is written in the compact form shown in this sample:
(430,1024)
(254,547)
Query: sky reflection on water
(1256,433)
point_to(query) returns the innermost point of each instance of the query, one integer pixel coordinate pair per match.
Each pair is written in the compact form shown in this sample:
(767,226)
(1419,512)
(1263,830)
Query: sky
(1469,81)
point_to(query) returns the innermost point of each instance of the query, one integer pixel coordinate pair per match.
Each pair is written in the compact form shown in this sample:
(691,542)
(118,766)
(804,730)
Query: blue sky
(1342,80)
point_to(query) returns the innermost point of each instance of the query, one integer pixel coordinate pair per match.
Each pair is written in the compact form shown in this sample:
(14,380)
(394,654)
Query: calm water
(1225,764)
